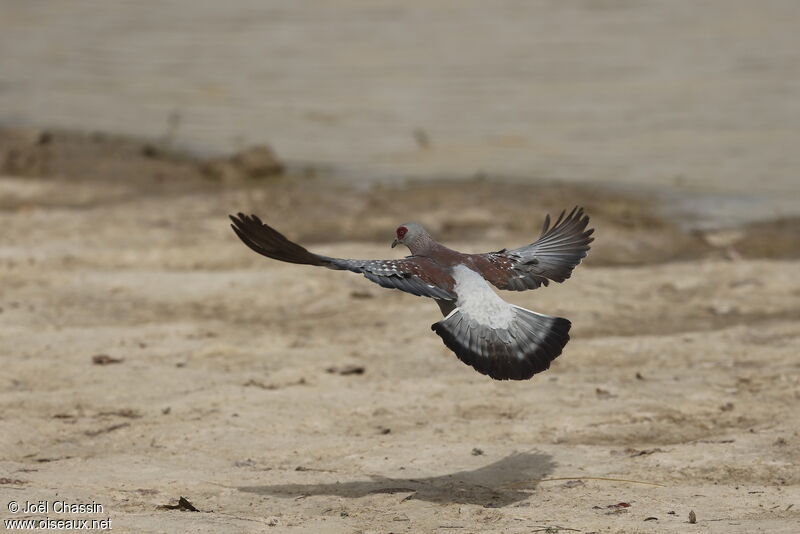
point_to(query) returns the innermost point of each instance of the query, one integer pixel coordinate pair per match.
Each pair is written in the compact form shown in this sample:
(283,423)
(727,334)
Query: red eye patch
(401,232)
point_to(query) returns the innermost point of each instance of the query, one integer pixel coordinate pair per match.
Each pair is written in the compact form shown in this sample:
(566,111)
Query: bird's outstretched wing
(551,257)
(416,275)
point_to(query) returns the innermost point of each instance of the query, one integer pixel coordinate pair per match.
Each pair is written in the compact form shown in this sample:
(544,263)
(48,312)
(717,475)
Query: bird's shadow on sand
(495,485)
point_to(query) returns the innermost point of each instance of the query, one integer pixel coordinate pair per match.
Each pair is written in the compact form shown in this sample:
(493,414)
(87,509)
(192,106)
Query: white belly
(478,301)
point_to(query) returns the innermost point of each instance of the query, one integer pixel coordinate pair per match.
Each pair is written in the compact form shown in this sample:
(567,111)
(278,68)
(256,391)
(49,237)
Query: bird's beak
(395,243)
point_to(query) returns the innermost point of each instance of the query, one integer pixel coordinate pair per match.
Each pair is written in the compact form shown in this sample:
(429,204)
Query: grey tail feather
(518,352)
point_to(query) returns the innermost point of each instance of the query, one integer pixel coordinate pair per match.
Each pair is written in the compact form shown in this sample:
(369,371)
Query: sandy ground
(678,391)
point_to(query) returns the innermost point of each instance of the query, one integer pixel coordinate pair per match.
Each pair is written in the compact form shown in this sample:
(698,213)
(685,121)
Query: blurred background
(148,355)
(680,97)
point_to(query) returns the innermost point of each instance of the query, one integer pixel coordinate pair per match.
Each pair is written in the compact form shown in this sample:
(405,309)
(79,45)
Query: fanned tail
(524,348)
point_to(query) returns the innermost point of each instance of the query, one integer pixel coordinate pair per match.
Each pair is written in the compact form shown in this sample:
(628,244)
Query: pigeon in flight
(495,337)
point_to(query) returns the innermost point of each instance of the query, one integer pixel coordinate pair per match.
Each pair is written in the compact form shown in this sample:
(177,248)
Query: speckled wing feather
(553,256)
(416,275)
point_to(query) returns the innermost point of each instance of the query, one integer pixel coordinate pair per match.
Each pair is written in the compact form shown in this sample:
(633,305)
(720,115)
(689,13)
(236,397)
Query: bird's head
(408,233)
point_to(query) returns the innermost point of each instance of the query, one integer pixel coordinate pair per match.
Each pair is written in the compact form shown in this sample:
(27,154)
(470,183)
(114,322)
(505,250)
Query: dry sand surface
(224,376)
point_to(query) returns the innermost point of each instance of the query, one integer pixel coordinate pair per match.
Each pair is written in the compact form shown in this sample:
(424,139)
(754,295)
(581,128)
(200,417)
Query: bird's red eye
(401,232)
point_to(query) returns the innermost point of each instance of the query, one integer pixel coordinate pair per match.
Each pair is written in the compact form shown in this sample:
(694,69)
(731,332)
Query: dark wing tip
(546,225)
(269,242)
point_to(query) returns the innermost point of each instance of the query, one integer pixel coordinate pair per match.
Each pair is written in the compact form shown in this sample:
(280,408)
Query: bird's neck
(421,245)
(424,245)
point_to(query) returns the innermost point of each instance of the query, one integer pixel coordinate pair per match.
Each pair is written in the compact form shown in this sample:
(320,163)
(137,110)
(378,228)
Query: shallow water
(679,97)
